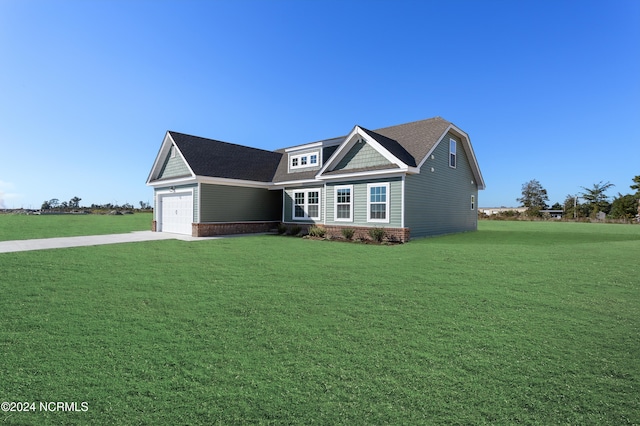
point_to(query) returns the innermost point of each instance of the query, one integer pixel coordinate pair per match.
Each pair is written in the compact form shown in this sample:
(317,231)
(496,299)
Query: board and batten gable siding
(222,203)
(439,201)
(361,155)
(174,166)
(288,204)
(360,195)
(174,189)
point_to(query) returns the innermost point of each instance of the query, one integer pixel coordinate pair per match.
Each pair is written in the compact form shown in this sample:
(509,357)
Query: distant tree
(144,206)
(596,198)
(534,197)
(557,206)
(636,185)
(624,207)
(574,209)
(74,203)
(45,205)
(54,203)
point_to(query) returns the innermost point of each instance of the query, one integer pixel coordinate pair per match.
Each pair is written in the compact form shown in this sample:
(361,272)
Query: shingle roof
(393,146)
(418,137)
(208,157)
(409,142)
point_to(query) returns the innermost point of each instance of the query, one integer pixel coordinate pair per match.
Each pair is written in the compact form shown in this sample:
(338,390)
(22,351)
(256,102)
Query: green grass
(24,227)
(520,323)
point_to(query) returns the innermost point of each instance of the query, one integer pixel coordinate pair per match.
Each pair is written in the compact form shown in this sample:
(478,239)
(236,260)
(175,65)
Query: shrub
(282,228)
(377,234)
(347,233)
(316,231)
(294,230)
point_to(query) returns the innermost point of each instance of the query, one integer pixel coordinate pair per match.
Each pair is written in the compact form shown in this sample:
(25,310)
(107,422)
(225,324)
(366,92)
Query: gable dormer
(364,150)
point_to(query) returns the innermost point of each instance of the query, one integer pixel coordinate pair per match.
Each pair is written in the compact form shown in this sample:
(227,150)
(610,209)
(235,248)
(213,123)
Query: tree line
(591,203)
(74,204)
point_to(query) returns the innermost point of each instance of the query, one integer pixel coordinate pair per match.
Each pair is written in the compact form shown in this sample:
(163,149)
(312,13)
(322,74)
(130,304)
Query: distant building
(554,214)
(498,210)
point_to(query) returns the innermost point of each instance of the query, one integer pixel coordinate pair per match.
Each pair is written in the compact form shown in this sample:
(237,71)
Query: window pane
(299,211)
(312,198)
(344,195)
(303,161)
(294,162)
(378,211)
(313,159)
(378,194)
(313,211)
(344,211)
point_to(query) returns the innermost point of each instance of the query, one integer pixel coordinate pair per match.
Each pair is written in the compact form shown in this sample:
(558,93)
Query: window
(306,204)
(378,202)
(309,159)
(313,204)
(344,203)
(473,202)
(452,153)
(298,203)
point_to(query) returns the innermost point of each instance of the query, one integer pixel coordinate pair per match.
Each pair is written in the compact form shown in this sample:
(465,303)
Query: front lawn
(519,323)
(24,227)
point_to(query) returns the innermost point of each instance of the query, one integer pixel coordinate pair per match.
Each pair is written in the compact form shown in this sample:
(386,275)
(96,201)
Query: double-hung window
(452,153)
(343,203)
(306,204)
(378,202)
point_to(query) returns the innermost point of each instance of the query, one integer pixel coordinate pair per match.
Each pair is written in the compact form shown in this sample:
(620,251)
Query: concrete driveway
(92,240)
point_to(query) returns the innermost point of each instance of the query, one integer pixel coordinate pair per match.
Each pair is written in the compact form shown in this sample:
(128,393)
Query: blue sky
(547,90)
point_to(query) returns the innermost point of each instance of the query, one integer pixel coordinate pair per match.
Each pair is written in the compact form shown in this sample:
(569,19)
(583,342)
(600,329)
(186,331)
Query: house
(414,180)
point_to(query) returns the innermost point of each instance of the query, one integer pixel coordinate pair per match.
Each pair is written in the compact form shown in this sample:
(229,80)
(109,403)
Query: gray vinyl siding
(221,203)
(361,155)
(288,204)
(439,202)
(360,195)
(174,166)
(177,188)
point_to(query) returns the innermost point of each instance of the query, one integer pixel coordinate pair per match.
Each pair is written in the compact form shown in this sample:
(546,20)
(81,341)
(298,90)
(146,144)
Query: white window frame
(473,202)
(303,160)
(453,153)
(336,204)
(387,202)
(305,206)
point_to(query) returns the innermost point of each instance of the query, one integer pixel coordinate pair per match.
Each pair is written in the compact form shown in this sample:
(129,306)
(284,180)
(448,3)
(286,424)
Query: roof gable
(361,155)
(174,165)
(384,146)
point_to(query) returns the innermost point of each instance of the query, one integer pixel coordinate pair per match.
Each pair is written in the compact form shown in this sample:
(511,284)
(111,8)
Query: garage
(176,213)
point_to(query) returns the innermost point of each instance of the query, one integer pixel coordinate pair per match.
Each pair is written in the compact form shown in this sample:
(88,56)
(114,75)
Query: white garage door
(176,213)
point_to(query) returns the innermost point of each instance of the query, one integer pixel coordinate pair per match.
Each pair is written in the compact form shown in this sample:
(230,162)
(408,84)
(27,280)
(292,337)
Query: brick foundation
(213,229)
(401,235)
(154,226)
